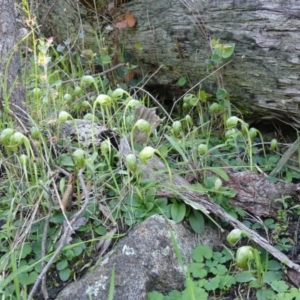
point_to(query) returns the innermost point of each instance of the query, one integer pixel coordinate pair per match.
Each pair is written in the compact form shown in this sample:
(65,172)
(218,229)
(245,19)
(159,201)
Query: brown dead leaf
(131,20)
(68,192)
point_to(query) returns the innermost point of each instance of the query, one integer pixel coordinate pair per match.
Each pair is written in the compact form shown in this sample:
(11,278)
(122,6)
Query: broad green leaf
(57,219)
(105,59)
(221,94)
(227,281)
(197,270)
(134,200)
(181,81)
(27,279)
(65,160)
(174,295)
(178,211)
(150,195)
(219,270)
(161,202)
(100,230)
(27,249)
(149,206)
(62,264)
(213,284)
(228,50)
(155,296)
(201,252)
(245,276)
(69,254)
(64,274)
(197,221)
(280,286)
(274,265)
(265,294)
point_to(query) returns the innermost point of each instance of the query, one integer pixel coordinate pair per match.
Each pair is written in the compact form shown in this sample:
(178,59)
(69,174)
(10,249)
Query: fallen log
(262,78)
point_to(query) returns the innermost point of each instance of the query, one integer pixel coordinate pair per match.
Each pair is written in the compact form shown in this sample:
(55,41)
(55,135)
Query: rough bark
(262,78)
(12,93)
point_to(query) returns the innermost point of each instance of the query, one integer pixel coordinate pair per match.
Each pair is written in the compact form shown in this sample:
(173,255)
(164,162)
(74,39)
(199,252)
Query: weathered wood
(264,75)
(12,93)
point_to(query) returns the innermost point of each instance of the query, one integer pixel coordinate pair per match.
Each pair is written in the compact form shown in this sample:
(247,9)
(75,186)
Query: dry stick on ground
(65,236)
(183,190)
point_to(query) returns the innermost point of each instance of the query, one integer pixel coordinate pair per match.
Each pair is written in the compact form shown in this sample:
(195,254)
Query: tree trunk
(264,75)
(12,93)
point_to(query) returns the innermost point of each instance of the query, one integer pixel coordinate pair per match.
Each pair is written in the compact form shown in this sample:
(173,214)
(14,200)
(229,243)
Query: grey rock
(144,261)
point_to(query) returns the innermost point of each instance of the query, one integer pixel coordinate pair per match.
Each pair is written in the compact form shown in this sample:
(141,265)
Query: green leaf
(27,249)
(201,252)
(178,211)
(150,195)
(62,265)
(228,254)
(181,81)
(295,292)
(78,249)
(271,276)
(274,265)
(255,284)
(138,46)
(203,95)
(155,296)
(65,160)
(149,206)
(221,94)
(69,254)
(176,146)
(219,270)
(197,270)
(174,295)
(265,294)
(244,276)
(64,274)
(226,282)
(134,200)
(161,202)
(220,172)
(285,296)
(105,59)
(101,230)
(197,221)
(270,223)
(27,279)
(58,218)
(212,284)
(280,286)
(228,50)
